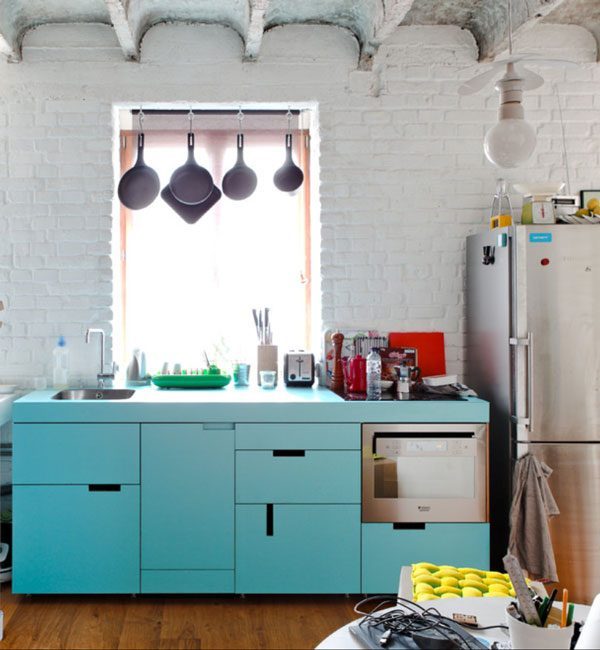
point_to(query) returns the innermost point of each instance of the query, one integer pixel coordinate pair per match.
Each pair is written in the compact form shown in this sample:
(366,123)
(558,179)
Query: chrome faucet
(101,375)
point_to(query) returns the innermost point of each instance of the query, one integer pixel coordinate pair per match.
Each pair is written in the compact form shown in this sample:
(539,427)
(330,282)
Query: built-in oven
(415,473)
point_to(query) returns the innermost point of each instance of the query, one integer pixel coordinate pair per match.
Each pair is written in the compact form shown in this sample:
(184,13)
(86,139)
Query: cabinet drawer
(302,549)
(187,582)
(298,436)
(385,550)
(76,453)
(70,540)
(298,476)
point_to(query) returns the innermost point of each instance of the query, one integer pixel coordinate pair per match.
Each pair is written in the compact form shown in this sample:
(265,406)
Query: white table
(489,611)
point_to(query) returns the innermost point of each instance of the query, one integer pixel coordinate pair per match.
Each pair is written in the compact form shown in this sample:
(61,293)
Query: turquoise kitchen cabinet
(68,454)
(76,539)
(386,548)
(161,515)
(187,510)
(293,548)
(297,476)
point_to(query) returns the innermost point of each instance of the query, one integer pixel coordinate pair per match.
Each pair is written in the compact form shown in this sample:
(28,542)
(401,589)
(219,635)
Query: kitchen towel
(531,508)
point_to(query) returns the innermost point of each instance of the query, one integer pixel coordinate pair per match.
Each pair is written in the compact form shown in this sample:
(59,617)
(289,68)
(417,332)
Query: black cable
(409,617)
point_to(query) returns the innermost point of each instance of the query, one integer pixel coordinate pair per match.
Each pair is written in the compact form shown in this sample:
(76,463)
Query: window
(186,289)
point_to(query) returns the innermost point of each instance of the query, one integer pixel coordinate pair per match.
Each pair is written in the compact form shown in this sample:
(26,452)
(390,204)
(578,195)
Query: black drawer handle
(269,520)
(104,487)
(398,526)
(289,452)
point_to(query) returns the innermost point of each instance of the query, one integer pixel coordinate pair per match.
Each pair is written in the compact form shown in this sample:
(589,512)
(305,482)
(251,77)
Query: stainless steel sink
(95,393)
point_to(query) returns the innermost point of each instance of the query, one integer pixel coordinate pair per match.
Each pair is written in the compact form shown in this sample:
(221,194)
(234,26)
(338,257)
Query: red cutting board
(431,356)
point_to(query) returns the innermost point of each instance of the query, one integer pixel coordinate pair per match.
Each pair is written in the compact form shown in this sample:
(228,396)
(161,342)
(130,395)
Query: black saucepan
(139,185)
(240,181)
(190,213)
(289,176)
(191,184)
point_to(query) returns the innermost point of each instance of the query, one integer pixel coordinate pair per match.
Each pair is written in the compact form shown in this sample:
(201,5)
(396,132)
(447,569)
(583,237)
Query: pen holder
(266,359)
(525,636)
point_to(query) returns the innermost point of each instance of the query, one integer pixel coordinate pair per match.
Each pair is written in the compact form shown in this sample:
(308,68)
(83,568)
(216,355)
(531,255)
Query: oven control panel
(390,447)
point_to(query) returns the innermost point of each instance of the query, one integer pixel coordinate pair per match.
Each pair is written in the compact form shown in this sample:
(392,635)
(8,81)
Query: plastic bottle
(60,356)
(373,375)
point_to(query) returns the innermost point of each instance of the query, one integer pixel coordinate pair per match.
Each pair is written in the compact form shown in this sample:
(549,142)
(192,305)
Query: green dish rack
(211,378)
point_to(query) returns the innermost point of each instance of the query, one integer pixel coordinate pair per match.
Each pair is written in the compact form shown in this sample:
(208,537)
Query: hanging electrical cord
(563,138)
(510,29)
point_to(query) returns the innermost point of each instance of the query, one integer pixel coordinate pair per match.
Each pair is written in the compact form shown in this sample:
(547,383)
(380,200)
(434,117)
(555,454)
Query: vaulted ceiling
(371,21)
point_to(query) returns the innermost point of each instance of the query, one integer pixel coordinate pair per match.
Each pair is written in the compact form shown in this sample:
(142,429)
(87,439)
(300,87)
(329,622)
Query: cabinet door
(385,550)
(69,454)
(289,548)
(187,496)
(76,539)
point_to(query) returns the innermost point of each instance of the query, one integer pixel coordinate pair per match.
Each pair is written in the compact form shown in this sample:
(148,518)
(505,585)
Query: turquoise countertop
(252,404)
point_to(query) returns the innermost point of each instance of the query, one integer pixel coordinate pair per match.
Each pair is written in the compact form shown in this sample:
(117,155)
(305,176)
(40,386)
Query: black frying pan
(190,213)
(289,176)
(139,185)
(240,181)
(191,184)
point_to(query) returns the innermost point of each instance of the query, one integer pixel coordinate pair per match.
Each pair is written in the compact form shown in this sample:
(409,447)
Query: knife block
(266,359)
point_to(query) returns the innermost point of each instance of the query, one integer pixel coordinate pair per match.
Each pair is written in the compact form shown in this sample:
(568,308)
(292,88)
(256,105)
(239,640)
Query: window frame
(301,144)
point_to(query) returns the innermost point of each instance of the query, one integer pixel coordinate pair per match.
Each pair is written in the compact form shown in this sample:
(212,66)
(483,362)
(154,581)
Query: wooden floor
(90,622)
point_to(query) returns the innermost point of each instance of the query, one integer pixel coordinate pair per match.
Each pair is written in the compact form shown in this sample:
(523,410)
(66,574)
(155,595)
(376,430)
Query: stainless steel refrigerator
(533,351)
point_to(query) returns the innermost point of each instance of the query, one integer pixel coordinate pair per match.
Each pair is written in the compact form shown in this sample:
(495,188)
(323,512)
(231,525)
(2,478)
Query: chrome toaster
(299,368)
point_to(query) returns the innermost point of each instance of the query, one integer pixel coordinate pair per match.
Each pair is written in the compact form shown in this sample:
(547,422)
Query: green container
(211,378)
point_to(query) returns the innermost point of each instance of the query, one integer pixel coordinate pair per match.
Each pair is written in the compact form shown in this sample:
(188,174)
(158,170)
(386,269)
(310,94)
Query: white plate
(7,389)
(538,188)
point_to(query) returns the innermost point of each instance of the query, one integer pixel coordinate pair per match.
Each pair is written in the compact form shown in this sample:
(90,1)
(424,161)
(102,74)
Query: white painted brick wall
(403,178)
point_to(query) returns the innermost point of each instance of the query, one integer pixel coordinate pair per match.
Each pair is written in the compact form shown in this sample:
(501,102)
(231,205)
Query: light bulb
(510,142)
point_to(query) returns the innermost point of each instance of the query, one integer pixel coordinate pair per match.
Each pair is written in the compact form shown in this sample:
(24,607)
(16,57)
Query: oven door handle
(420,435)
(426,435)
(408,526)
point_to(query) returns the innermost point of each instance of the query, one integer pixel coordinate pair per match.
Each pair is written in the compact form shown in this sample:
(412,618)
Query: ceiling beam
(256,28)
(118,17)
(394,13)
(542,8)
(385,24)
(12,54)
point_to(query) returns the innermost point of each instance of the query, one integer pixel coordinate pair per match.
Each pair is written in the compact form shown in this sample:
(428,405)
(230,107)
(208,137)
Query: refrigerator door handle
(528,343)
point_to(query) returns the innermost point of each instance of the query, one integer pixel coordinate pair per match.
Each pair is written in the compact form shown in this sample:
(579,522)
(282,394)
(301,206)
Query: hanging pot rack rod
(216,111)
